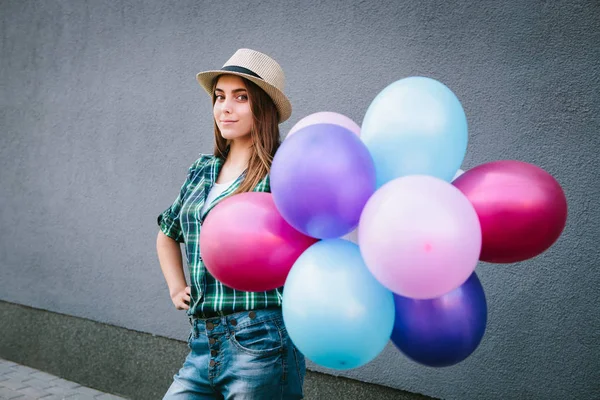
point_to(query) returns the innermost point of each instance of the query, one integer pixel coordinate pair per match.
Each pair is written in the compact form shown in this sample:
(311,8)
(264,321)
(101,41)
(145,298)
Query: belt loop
(194,323)
(224,322)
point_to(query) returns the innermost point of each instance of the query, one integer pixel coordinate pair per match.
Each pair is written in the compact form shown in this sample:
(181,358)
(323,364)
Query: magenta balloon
(247,245)
(419,236)
(521,207)
(326,117)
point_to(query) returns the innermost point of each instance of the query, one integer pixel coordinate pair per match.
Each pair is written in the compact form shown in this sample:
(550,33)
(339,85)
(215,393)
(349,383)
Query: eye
(219,96)
(242,97)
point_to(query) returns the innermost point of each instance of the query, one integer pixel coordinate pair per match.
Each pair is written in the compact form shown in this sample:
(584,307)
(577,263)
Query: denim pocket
(260,339)
(300,364)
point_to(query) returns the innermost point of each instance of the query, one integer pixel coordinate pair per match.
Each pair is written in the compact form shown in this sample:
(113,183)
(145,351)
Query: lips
(228,121)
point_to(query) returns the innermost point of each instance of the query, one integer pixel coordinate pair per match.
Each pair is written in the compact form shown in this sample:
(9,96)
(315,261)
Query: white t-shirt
(215,192)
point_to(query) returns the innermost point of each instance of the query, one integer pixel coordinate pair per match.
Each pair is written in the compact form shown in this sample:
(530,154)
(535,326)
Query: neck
(239,153)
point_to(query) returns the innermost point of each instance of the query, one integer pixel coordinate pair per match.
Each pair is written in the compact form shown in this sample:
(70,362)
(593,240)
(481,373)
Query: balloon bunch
(422,226)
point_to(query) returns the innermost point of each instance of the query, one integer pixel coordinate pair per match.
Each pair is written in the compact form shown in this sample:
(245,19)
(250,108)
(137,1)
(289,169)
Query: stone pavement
(23,383)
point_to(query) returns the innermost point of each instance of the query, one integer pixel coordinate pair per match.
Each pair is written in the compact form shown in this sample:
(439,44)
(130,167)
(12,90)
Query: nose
(226,106)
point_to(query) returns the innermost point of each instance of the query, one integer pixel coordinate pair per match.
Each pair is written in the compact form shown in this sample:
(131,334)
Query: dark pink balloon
(247,245)
(522,209)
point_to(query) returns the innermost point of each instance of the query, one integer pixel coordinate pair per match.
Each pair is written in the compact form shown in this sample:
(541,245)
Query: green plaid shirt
(182,222)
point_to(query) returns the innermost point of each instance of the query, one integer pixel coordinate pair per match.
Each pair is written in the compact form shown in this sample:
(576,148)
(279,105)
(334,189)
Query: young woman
(239,345)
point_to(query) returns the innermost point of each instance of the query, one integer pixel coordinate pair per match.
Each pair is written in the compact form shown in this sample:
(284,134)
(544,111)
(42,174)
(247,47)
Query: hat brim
(283,105)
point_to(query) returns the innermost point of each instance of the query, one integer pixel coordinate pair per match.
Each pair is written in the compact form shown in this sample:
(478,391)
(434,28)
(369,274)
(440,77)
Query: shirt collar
(211,172)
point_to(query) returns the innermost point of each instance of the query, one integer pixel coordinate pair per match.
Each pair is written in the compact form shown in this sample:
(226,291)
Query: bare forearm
(169,257)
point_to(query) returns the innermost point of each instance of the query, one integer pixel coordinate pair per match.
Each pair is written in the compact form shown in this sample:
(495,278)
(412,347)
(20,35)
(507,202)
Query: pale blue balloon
(415,126)
(336,313)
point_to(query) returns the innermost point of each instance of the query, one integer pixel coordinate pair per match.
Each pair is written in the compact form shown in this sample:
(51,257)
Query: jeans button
(212,363)
(252,314)
(209,326)
(214,353)
(233,322)
(212,340)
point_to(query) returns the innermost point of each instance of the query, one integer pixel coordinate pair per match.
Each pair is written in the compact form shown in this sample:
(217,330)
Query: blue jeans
(241,356)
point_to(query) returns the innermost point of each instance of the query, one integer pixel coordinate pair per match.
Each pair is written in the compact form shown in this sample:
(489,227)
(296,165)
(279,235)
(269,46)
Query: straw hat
(258,68)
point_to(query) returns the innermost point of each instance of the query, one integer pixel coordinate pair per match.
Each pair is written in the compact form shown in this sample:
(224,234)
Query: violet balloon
(321,179)
(443,331)
(521,207)
(247,245)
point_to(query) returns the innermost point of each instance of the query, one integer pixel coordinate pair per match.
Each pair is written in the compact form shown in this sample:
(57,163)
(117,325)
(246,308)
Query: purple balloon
(321,178)
(443,331)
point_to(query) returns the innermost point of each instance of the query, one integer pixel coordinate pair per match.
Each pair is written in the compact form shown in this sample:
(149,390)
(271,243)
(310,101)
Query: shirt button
(214,353)
(252,314)
(212,341)
(212,363)
(210,326)
(233,322)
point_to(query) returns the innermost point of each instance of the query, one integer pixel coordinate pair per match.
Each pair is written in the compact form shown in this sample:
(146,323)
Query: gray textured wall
(100,116)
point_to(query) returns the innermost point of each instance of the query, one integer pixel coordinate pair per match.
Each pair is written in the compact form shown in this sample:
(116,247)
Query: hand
(181,298)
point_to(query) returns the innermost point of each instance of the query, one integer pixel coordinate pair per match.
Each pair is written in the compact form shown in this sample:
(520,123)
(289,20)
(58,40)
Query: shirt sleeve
(169,220)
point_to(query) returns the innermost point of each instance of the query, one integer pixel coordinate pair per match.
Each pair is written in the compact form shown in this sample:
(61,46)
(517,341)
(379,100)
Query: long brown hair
(264,134)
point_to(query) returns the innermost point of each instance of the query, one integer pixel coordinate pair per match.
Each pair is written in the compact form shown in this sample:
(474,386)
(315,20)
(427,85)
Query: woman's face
(232,108)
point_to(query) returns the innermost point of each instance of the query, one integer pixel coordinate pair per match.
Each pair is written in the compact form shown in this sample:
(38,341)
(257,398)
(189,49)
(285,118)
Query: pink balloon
(522,209)
(326,117)
(247,245)
(420,236)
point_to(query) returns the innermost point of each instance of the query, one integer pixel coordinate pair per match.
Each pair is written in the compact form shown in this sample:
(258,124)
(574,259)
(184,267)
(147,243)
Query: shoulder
(200,163)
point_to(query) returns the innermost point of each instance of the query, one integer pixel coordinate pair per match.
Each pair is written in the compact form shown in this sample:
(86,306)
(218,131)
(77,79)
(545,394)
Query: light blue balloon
(336,313)
(415,126)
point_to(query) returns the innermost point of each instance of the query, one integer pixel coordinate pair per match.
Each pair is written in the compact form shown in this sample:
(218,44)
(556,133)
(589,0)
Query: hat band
(242,70)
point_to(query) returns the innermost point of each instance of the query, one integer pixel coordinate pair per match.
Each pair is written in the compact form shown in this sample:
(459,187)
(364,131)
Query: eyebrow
(233,91)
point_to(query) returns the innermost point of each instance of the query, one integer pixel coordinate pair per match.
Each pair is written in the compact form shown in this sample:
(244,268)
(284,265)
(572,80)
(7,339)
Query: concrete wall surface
(100,117)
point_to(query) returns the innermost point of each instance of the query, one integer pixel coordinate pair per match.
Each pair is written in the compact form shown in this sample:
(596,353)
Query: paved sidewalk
(23,383)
